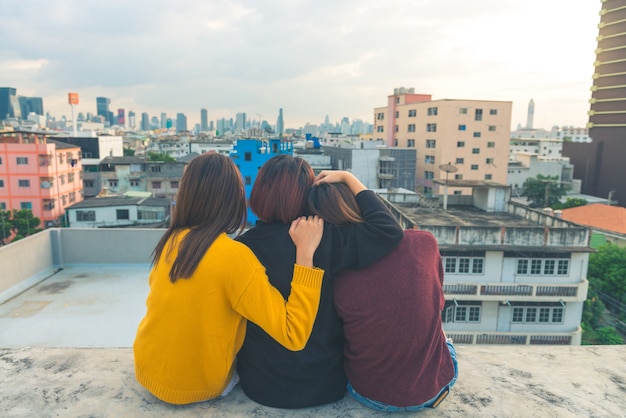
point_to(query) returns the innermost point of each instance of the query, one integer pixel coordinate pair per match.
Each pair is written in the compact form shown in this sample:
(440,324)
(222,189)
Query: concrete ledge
(494,381)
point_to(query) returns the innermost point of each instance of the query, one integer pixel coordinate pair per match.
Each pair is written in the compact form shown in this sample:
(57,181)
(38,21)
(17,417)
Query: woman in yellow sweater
(204,286)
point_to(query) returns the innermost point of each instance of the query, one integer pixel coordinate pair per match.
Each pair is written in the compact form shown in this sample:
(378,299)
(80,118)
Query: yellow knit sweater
(186,344)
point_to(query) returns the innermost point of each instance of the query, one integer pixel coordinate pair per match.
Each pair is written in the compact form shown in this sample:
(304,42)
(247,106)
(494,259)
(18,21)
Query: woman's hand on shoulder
(340,176)
(306,233)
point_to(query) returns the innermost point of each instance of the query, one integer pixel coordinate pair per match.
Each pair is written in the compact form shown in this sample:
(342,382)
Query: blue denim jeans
(379,406)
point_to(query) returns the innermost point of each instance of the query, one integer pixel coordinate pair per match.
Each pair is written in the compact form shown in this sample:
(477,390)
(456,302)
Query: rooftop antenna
(448,168)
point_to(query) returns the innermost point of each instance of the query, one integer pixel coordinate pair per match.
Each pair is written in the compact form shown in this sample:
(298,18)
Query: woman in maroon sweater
(396,356)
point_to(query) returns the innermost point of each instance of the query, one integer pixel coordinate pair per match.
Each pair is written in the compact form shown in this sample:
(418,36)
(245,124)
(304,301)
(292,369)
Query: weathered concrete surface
(495,381)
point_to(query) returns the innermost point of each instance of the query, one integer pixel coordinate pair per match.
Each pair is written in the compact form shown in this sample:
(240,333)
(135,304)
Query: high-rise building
(132,121)
(145,122)
(280,124)
(531,114)
(204,120)
(102,107)
(240,122)
(181,122)
(9,105)
(600,164)
(471,135)
(121,119)
(30,105)
(163,120)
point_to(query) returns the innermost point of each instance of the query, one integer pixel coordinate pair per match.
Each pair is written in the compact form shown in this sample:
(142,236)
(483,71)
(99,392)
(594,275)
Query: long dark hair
(333,202)
(211,200)
(280,188)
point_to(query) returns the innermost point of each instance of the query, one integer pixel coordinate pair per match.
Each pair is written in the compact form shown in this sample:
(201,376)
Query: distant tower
(240,122)
(204,120)
(102,107)
(531,114)
(181,122)
(280,126)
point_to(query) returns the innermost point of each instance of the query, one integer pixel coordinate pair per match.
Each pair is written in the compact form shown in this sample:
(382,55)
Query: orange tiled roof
(598,215)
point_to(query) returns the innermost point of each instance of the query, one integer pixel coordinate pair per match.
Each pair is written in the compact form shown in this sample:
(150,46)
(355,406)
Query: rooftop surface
(67,327)
(463,216)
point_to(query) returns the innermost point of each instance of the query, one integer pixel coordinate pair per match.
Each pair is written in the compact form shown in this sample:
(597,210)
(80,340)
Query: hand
(306,233)
(340,176)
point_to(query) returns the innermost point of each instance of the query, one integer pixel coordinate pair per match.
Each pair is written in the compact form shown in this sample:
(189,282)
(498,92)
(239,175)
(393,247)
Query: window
(86,215)
(488,160)
(462,127)
(459,160)
(478,114)
(247,156)
(26,205)
(460,144)
(397,127)
(429,175)
(462,311)
(431,127)
(431,143)
(380,116)
(476,134)
(410,143)
(431,111)
(543,266)
(537,312)
(395,142)
(70,177)
(3,206)
(1,183)
(491,144)
(474,167)
(488,177)
(155,168)
(457,192)
(492,128)
(493,111)
(22,160)
(463,111)
(112,182)
(88,183)
(134,183)
(156,184)
(475,150)
(174,184)
(429,159)
(379,129)
(23,183)
(248,180)
(122,214)
(464,265)
(62,178)
(458,176)
(0,160)
(412,128)
(397,114)
(412,113)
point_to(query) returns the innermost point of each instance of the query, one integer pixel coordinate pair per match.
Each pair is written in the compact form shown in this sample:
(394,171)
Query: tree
(160,156)
(128,152)
(544,191)
(6,226)
(24,223)
(570,203)
(607,270)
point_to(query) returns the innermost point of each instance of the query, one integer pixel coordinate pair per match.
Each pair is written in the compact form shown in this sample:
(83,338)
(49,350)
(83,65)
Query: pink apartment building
(39,174)
(472,135)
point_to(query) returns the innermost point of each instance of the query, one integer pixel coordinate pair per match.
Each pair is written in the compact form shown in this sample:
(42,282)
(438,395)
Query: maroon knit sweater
(395,349)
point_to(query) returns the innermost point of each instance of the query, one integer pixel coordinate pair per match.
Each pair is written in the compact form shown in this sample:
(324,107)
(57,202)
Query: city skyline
(310,60)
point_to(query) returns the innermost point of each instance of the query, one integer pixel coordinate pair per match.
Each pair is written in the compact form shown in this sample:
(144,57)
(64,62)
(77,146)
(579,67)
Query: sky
(310,57)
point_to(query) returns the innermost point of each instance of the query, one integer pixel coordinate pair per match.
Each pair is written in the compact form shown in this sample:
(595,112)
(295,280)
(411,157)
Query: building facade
(40,175)
(471,135)
(119,211)
(600,164)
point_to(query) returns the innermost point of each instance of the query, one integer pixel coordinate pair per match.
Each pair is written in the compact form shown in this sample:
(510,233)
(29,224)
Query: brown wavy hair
(280,188)
(333,202)
(211,200)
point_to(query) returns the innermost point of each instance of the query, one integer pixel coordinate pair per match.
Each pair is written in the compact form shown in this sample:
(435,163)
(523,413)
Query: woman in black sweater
(270,374)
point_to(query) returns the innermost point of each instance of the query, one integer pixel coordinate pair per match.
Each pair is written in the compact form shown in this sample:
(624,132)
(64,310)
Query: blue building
(249,156)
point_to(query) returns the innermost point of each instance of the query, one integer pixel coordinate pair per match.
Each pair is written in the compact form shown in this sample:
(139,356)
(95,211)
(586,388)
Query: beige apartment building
(470,135)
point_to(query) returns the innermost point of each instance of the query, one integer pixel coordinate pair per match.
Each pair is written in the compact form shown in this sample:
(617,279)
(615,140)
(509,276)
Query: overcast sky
(311,57)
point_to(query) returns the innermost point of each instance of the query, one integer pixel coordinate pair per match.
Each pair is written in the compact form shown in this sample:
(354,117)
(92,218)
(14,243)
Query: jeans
(379,406)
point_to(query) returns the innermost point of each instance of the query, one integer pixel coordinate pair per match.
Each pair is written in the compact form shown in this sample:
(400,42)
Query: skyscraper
(145,122)
(102,107)
(9,105)
(204,120)
(600,164)
(181,122)
(240,122)
(163,120)
(121,119)
(531,114)
(280,126)
(30,105)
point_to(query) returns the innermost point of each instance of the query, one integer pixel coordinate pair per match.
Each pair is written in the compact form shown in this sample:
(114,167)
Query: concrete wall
(26,258)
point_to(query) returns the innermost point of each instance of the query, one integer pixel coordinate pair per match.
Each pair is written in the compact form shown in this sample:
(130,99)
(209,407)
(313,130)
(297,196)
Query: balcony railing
(516,338)
(522,291)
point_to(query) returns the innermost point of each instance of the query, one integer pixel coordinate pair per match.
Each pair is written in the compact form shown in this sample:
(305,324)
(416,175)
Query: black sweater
(274,376)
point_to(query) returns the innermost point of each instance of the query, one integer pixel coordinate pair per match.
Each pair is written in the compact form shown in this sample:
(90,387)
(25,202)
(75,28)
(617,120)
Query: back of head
(280,188)
(211,200)
(333,202)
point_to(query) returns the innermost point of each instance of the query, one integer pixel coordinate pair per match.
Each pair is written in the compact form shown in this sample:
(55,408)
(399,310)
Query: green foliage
(129,152)
(593,309)
(607,269)
(19,222)
(609,336)
(569,203)
(160,156)
(536,189)
(5,225)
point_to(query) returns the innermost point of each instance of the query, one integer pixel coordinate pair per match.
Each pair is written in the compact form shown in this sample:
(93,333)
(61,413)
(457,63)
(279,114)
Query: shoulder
(420,238)
(234,252)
